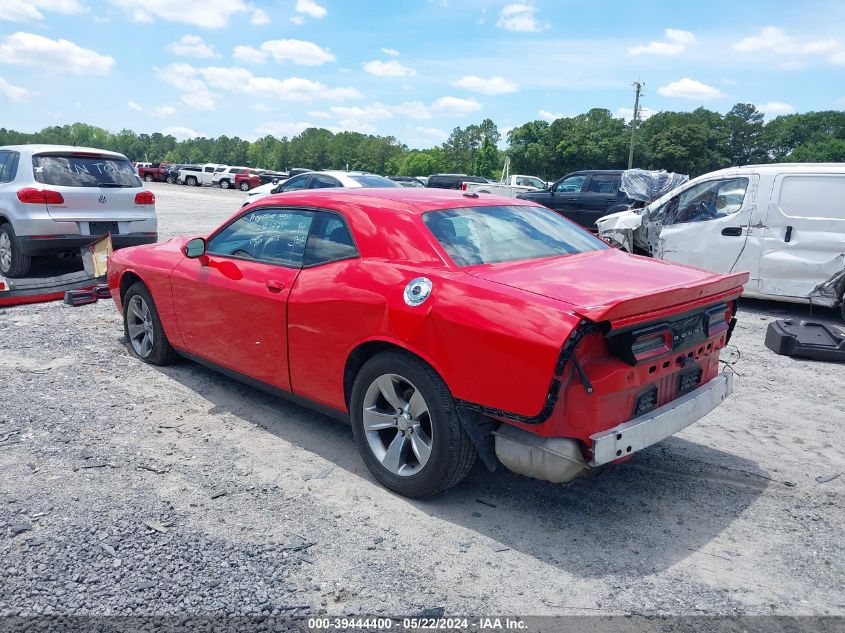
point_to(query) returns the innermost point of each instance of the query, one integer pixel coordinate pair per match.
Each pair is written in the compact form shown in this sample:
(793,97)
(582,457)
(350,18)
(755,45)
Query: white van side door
(708,225)
(804,237)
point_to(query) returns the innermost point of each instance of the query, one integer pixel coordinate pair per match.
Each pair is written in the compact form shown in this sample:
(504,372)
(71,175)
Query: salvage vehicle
(247,179)
(783,223)
(199,175)
(509,187)
(443,326)
(583,196)
(225,178)
(56,199)
(452,181)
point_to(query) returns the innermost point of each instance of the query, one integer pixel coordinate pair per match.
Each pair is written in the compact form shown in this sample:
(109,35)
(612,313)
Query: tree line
(686,142)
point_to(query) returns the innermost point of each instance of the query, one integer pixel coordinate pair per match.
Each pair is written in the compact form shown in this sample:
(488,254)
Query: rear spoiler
(629,311)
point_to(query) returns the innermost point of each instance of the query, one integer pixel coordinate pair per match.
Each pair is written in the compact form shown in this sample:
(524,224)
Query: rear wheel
(406,426)
(145,335)
(191,181)
(244,186)
(13,263)
(225,184)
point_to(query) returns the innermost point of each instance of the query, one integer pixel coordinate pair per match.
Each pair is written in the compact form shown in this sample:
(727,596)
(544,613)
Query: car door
(231,304)
(329,311)
(803,235)
(707,225)
(294,184)
(598,196)
(565,195)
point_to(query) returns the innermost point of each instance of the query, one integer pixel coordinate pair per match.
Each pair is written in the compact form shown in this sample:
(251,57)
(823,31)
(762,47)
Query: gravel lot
(130,489)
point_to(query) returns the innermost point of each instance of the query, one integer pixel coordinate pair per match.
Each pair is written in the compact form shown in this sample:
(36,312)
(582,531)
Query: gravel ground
(127,489)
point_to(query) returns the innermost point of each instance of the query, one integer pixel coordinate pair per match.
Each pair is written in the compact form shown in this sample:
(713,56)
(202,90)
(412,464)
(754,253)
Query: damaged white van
(783,223)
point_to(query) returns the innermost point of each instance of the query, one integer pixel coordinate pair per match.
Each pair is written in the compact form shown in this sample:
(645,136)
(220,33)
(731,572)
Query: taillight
(145,197)
(717,320)
(463,186)
(652,344)
(30,195)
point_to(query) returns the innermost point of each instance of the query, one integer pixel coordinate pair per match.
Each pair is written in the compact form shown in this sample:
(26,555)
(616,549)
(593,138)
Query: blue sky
(414,69)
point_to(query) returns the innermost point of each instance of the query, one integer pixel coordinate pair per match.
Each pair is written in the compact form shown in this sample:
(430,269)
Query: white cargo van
(784,223)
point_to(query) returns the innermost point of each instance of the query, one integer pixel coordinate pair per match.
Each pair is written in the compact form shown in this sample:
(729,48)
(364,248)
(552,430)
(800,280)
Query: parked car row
(208,174)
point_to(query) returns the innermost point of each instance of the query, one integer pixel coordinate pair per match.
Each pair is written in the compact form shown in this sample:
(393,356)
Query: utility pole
(638,86)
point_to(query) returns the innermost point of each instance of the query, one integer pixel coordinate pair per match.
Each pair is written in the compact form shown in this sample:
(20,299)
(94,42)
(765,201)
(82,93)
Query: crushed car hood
(610,284)
(619,228)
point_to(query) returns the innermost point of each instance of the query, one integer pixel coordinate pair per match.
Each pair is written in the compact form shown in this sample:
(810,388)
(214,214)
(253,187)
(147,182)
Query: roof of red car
(414,200)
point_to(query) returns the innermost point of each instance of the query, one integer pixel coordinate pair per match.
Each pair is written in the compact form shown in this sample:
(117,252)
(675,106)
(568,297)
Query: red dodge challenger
(445,327)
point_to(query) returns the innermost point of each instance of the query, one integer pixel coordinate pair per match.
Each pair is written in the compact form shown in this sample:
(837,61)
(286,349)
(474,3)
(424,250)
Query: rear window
(371,180)
(67,170)
(487,235)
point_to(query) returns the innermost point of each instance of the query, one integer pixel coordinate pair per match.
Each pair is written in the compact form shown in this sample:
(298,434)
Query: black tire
(170,180)
(244,186)
(148,178)
(161,353)
(191,181)
(842,306)
(452,451)
(13,263)
(224,184)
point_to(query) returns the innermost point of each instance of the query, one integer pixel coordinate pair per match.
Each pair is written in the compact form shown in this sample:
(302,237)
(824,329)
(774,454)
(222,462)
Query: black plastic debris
(806,339)
(80,297)
(102,291)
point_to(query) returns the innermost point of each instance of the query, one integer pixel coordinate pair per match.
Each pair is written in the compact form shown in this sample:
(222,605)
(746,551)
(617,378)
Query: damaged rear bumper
(650,428)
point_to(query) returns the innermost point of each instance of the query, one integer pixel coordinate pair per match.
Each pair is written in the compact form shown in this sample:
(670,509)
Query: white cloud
(390,51)
(294,89)
(775,108)
(455,105)
(15,93)
(203,101)
(520,16)
(182,133)
(192,46)
(261,107)
(550,116)
(359,119)
(675,44)
(432,133)
(134,106)
(162,112)
(209,14)
(687,88)
(391,68)
(22,10)
(259,18)
(413,110)
(57,55)
(489,86)
(311,9)
(319,114)
(296,51)
(628,113)
(775,41)
(297,19)
(282,128)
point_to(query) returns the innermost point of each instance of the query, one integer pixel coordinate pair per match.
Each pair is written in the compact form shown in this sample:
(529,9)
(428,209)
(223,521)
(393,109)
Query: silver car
(57,199)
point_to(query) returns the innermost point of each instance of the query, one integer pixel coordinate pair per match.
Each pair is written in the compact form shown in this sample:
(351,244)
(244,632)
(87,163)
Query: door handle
(275,286)
(572,199)
(788,235)
(732,231)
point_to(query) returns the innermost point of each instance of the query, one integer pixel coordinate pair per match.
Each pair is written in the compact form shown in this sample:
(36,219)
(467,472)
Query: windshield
(487,235)
(68,170)
(371,180)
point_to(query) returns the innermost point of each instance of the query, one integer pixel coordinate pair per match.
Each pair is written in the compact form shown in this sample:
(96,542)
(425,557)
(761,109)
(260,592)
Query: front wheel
(142,326)
(148,178)
(244,186)
(224,184)
(191,181)
(406,426)
(13,263)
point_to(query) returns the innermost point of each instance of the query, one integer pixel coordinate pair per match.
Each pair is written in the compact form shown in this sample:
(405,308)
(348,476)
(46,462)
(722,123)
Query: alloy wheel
(139,323)
(397,424)
(5,252)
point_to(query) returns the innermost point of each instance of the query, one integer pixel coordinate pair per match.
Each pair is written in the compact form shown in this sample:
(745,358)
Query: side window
(209,170)
(321,181)
(709,200)
(330,241)
(273,236)
(572,184)
(601,183)
(294,184)
(5,166)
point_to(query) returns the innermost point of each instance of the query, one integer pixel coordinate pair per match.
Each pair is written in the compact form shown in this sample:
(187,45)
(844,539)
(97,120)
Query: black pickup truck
(583,196)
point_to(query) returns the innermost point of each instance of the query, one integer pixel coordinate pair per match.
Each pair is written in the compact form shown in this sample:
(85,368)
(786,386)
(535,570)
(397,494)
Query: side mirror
(195,248)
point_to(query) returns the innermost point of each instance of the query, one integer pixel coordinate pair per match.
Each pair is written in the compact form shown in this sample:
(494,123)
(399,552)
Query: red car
(444,326)
(247,180)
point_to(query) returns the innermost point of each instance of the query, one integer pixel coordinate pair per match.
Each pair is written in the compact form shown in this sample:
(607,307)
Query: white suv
(58,199)
(226,178)
(198,175)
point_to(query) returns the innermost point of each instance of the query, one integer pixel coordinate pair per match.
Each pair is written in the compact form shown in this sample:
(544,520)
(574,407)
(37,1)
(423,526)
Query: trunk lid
(610,285)
(94,187)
